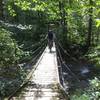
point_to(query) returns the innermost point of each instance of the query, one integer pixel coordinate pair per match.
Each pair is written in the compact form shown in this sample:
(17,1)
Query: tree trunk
(98,36)
(60,9)
(64,22)
(89,37)
(1,9)
(63,19)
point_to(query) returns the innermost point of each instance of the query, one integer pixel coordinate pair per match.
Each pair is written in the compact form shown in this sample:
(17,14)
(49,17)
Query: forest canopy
(24,25)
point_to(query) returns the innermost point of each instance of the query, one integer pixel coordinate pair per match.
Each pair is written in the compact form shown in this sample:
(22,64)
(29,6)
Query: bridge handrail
(62,63)
(59,58)
(65,51)
(35,51)
(30,74)
(42,46)
(36,44)
(27,78)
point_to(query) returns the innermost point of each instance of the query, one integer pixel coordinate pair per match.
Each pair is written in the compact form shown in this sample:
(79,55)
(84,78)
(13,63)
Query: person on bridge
(50,40)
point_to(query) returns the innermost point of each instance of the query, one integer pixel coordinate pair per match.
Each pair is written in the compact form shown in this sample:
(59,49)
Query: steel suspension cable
(63,63)
(38,48)
(36,44)
(33,60)
(26,80)
(32,46)
(34,52)
(65,52)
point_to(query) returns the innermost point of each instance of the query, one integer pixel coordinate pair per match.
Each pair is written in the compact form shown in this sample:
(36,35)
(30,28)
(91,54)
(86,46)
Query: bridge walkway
(44,82)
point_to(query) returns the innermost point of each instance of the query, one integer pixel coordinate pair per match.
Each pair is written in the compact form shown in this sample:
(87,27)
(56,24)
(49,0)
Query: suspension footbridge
(44,82)
(50,77)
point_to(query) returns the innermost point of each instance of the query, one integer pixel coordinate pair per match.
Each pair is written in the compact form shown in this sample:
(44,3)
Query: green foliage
(24,5)
(94,56)
(71,15)
(9,50)
(80,97)
(10,84)
(91,93)
(11,11)
(98,22)
(11,75)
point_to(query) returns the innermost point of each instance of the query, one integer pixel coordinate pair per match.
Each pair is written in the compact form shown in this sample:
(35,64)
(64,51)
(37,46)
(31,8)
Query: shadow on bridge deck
(44,82)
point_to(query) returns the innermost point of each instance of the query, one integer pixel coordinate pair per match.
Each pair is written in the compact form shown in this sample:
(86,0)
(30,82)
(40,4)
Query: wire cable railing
(30,63)
(37,52)
(65,51)
(35,45)
(34,51)
(66,66)
(63,64)
(61,78)
(32,46)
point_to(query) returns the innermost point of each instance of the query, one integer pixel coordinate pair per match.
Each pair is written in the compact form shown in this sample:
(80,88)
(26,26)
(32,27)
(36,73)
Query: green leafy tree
(9,50)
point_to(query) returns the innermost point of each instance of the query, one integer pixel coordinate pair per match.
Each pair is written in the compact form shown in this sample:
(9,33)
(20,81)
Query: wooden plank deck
(44,80)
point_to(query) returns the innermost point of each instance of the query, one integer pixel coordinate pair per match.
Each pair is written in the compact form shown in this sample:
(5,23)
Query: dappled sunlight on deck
(44,81)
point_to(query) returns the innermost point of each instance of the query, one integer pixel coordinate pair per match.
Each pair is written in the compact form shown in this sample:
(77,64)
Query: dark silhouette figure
(50,40)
